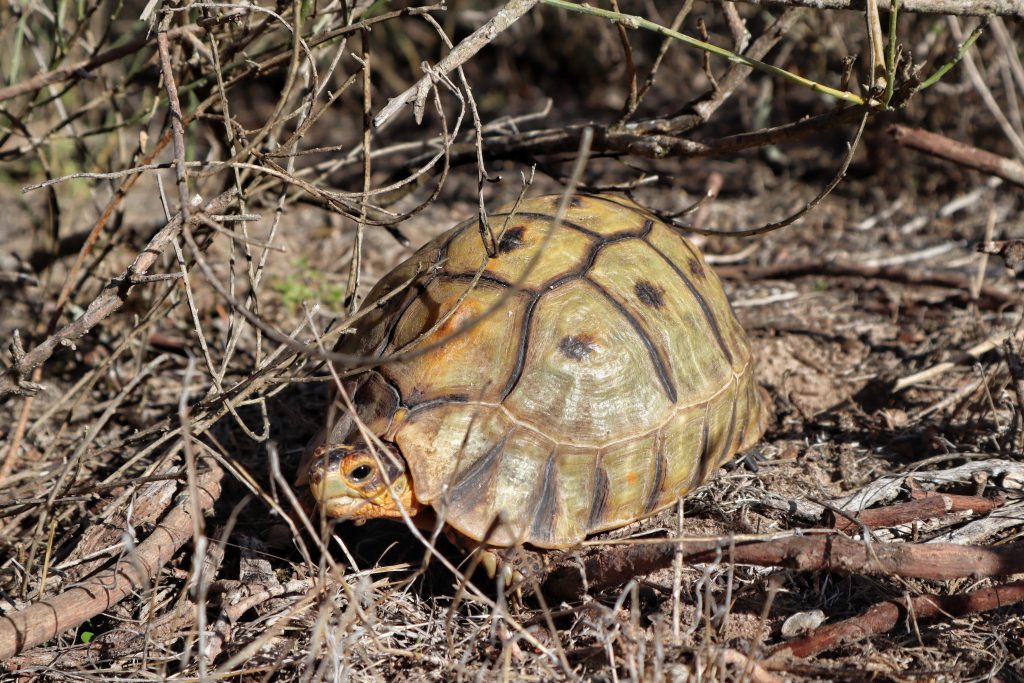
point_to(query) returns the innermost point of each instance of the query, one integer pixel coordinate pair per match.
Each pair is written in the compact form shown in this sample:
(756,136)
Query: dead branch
(614,139)
(110,299)
(46,619)
(81,68)
(656,138)
(838,268)
(959,153)
(984,528)
(177,127)
(888,615)
(1004,8)
(807,207)
(1016,366)
(890,486)
(617,565)
(968,356)
(752,671)
(927,507)
(418,91)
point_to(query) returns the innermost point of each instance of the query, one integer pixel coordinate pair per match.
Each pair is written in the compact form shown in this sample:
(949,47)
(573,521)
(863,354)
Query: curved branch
(45,619)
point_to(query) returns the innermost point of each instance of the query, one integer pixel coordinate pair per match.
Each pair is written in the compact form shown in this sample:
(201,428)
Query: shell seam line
(736,376)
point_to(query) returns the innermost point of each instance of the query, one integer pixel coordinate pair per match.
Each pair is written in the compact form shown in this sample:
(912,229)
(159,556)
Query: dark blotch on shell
(649,294)
(577,347)
(511,240)
(696,269)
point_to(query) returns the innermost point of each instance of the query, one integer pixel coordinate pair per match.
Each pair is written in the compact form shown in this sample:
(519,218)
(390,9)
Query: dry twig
(959,153)
(48,618)
(112,297)
(1004,8)
(839,268)
(889,615)
(616,565)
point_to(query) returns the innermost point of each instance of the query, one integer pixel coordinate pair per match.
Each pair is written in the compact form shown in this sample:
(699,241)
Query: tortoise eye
(360,473)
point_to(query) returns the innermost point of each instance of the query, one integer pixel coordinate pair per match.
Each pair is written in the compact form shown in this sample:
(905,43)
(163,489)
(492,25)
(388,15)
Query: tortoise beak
(347,482)
(329,487)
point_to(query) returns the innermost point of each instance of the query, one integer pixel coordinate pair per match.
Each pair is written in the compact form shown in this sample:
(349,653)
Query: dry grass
(193,374)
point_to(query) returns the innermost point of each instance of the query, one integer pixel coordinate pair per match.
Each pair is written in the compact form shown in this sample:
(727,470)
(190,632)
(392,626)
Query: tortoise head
(350,482)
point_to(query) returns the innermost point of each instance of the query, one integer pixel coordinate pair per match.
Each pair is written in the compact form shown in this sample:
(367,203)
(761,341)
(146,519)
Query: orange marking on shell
(457,340)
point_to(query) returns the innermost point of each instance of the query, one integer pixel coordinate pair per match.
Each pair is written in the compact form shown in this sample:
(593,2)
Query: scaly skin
(351,483)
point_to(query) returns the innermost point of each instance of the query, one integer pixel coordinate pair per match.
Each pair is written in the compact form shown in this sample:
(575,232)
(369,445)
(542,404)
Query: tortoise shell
(608,378)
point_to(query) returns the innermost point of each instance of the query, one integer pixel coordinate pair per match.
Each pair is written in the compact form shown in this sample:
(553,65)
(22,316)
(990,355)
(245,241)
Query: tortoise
(583,376)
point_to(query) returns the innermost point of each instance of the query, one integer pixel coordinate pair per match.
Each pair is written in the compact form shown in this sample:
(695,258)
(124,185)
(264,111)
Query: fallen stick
(927,507)
(970,354)
(840,268)
(1005,8)
(959,153)
(939,561)
(889,487)
(888,615)
(43,620)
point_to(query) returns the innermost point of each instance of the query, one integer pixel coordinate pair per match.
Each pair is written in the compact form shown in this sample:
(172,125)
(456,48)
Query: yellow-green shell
(607,383)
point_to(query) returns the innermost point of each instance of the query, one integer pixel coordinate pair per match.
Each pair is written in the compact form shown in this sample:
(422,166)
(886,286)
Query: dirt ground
(881,352)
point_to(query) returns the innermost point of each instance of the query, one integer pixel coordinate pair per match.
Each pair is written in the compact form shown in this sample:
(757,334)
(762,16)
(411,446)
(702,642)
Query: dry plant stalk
(889,615)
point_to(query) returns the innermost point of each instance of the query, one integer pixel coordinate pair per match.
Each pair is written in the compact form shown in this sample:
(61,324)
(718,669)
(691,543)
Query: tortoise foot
(498,568)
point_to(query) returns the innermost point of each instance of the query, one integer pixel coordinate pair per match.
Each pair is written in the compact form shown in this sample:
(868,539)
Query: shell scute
(566,250)
(588,378)
(468,360)
(682,259)
(601,215)
(629,467)
(670,314)
(443,441)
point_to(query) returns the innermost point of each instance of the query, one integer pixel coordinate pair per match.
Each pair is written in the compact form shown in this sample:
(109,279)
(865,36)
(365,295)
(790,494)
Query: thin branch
(617,565)
(839,268)
(41,621)
(634,21)
(960,153)
(177,129)
(82,68)
(110,299)
(418,91)
(818,198)
(1003,8)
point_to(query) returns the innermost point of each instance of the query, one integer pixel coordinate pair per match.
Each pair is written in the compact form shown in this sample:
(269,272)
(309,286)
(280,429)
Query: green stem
(890,57)
(971,39)
(633,21)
